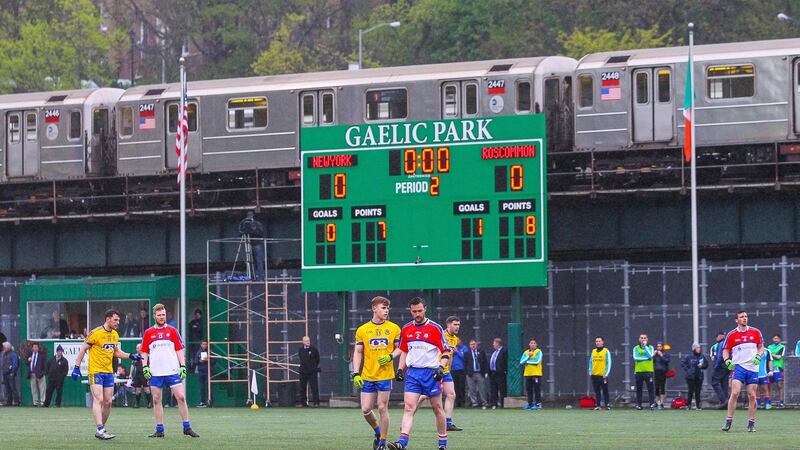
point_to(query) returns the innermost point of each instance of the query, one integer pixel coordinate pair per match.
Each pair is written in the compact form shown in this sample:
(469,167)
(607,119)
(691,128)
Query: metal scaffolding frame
(248,319)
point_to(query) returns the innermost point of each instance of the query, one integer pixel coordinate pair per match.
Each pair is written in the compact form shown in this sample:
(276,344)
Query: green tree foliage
(589,40)
(52,45)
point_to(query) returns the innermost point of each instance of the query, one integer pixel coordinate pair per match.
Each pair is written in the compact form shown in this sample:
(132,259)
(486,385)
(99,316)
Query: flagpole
(695,287)
(182,171)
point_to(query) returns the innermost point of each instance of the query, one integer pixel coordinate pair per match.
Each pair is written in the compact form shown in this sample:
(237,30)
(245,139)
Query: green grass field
(282,428)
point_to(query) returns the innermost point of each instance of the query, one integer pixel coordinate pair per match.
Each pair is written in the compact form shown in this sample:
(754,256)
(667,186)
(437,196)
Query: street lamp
(361,34)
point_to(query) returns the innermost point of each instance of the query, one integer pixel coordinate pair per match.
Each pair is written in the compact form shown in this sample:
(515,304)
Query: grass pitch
(290,428)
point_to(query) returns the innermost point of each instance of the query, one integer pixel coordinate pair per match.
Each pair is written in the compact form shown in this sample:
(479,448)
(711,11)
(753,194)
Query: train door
(317,108)
(195,139)
(796,95)
(459,99)
(22,141)
(552,107)
(98,149)
(653,105)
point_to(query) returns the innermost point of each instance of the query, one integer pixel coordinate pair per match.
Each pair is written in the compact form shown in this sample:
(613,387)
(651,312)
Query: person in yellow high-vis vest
(531,360)
(599,368)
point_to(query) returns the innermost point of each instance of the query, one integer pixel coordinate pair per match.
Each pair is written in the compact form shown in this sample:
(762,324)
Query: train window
(126,122)
(471,100)
(664,86)
(387,104)
(13,128)
(308,109)
(586,91)
(731,81)
(642,88)
(523,96)
(173,117)
(30,127)
(450,101)
(75,126)
(247,113)
(327,108)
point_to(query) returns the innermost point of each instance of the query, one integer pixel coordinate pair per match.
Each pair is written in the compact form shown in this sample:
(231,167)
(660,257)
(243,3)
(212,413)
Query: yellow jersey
(377,340)
(452,342)
(101,353)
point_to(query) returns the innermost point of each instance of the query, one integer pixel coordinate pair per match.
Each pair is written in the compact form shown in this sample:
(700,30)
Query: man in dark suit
(309,367)
(477,369)
(57,369)
(36,372)
(498,367)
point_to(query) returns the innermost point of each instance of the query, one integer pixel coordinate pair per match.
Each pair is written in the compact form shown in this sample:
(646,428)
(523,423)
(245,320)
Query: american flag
(182,134)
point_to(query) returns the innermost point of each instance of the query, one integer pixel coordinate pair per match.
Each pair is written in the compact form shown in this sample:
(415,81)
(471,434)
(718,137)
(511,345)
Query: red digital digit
(340,185)
(382,230)
(330,232)
(443,160)
(434,186)
(409,161)
(517,179)
(427,160)
(530,225)
(480,227)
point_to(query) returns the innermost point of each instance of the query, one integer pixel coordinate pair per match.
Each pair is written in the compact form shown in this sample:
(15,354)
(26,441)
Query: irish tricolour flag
(687,113)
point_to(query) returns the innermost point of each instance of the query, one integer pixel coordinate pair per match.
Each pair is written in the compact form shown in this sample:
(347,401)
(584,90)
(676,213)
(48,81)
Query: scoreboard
(425,205)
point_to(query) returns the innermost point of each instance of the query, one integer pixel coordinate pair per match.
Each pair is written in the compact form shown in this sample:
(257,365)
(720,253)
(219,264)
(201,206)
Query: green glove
(358,382)
(146,372)
(385,359)
(182,372)
(757,360)
(729,364)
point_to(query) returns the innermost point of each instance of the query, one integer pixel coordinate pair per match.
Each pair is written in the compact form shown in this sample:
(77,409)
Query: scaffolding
(253,319)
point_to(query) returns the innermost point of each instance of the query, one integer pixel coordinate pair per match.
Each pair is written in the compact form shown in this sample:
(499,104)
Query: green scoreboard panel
(425,205)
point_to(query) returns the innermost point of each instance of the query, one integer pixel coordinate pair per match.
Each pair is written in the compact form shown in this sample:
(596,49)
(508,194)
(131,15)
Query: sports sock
(449,421)
(443,440)
(186,425)
(403,439)
(382,441)
(729,419)
(377,431)
(159,427)
(101,428)
(751,422)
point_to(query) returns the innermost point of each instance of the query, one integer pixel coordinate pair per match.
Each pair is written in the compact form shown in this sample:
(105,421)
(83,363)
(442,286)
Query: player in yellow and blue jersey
(103,346)
(376,345)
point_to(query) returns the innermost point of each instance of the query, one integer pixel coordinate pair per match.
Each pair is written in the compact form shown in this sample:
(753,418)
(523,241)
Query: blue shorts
(763,380)
(447,378)
(104,379)
(744,375)
(776,376)
(165,380)
(370,387)
(420,381)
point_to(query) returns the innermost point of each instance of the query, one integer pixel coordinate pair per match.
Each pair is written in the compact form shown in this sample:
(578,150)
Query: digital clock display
(425,205)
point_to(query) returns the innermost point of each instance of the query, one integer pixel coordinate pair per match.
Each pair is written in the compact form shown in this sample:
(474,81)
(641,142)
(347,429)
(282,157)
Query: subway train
(614,119)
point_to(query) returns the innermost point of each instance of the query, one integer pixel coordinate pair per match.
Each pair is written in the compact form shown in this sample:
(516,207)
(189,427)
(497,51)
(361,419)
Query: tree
(590,40)
(46,50)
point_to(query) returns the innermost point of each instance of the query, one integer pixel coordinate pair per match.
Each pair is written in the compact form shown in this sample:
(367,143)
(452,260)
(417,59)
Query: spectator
(643,369)
(140,384)
(131,326)
(171,320)
(37,363)
(477,369)
(694,364)
(10,366)
(309,367)
(531,361)
(661,359)
(57,329)
(195,335)
(123,388)
(778,351)
(459,374)
(144,321)
(57,369)
(498,368)
(2,339)
(201,361)
(599,369)
(720,374)
(253,229)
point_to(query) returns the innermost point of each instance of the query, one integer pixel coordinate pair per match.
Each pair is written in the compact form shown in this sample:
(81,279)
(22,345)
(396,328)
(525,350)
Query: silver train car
(254,123)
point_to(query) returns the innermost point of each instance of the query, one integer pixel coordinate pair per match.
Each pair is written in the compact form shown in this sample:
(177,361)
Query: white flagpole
(182,169)
(695,282)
